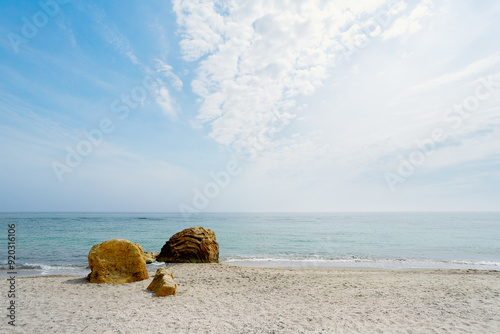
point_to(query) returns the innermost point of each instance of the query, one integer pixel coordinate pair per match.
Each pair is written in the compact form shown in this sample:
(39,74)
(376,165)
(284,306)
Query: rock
(151,256)
(117,261)
(195,244)
(163,283)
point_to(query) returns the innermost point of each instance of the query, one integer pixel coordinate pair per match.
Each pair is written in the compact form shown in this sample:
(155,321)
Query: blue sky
(249,106)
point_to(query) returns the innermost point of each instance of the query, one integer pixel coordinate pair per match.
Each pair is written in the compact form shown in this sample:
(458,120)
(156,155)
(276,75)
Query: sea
(58,243)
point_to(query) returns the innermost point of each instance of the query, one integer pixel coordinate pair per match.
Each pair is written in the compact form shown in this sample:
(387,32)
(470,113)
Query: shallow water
(58,243)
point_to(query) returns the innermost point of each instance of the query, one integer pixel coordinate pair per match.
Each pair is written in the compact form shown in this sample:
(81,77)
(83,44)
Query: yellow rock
(163,283)
(117,261)
(151,256)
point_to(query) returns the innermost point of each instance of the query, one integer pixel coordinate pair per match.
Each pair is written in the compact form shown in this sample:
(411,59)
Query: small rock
(163,283)
(151,256)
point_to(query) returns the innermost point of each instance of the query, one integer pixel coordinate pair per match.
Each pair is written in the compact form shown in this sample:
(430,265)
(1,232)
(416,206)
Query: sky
(249,106)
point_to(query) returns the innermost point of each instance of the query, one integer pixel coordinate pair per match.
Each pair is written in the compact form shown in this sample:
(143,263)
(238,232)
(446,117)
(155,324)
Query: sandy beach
(218,298)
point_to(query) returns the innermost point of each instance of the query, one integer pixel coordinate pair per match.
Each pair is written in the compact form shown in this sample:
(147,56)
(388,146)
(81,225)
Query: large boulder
(163,283)
(117,261)
(195,245)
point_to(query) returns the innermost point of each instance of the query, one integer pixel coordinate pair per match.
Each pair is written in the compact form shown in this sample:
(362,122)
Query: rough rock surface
(117,261)
(151,256)
(163,283)
(195,244)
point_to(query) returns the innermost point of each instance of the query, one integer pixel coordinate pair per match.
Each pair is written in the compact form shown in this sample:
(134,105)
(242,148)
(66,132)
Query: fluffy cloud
(258,62)
(256,57)
(410,24)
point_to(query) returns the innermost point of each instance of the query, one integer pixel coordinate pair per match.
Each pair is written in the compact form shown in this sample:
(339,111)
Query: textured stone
(195,245)
(117,261)
(151,256)
(163,283)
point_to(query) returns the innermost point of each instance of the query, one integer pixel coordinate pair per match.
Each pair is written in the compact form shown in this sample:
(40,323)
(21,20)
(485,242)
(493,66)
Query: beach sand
(218,298)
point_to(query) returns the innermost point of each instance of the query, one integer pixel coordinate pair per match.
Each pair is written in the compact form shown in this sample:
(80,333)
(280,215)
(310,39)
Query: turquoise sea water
(55,243)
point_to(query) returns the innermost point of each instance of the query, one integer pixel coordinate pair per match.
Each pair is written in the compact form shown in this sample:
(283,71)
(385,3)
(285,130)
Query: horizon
(262,107)
(246,212)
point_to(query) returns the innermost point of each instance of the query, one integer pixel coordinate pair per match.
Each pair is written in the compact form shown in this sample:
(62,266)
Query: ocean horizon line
(250,212)
(380,239)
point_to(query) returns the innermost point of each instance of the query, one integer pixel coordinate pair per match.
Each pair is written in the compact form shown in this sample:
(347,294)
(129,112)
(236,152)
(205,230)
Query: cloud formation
(470,70)
(255,58)
(411,23)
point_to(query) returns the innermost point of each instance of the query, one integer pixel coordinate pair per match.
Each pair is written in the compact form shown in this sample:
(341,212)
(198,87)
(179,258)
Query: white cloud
(259,62)
(166,70)
(202,27)
(468,71)
(259,56)
(110,32)
(410,24)
(486,145)
(162,94)
(165,102)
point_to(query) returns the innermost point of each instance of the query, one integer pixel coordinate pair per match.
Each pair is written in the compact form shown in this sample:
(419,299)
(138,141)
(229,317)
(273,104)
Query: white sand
(216,298)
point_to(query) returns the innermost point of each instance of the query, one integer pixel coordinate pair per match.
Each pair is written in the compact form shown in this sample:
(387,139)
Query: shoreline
(279,264)
(220,298)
